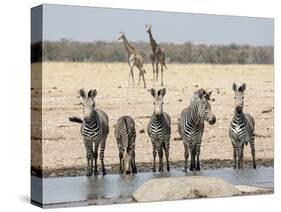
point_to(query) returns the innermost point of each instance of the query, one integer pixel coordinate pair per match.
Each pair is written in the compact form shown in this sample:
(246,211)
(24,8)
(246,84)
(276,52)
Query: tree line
(99,51)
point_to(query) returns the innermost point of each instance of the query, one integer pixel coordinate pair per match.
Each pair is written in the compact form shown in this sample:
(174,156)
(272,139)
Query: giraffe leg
(186,155)
(157,70)
(153,69)
(162,74)
(140,75)
(102,148)
(144,84)
(132,74)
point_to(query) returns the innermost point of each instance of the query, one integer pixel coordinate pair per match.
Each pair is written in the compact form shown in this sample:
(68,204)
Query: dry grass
(63,145)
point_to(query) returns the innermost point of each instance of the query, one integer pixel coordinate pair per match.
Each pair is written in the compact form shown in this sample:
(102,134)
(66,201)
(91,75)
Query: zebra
(125,134)
(159,129)
(94,129)
(191,126)
(241,130)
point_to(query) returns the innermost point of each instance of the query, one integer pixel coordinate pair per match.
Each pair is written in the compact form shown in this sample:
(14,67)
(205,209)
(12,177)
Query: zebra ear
(208,95)
(92,93)
(200,93)
(234,87)
(152,91)
(162,92)
(82,93)
(242,88)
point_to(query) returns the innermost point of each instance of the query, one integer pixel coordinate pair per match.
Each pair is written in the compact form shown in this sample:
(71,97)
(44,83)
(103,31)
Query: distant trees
(65,50)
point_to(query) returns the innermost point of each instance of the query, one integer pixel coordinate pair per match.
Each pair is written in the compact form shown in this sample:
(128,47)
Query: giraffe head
(239,96)
(120,35)
(158,100)
(148,28)
(88,102)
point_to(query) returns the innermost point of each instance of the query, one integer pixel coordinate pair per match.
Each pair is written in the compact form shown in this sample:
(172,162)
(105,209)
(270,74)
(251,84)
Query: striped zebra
(94,129)
(159,129)
(241,130)
(125,134)
(191,126)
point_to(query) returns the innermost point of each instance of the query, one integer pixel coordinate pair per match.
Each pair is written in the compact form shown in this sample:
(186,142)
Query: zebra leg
(102,148)
(167,148)
(234,157)
(253,152)
(186,155)
(96,158)
(160,155)
(240,157)
(193,152)
(89,155)
(154,156)
(198,156)
(134,167)
(120,162)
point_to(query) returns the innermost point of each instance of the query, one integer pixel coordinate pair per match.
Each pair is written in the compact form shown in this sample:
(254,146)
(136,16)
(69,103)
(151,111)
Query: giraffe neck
(130,49)
(152,41)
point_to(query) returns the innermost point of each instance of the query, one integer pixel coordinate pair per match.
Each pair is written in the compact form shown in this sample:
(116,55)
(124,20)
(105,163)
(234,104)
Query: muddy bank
(146,167)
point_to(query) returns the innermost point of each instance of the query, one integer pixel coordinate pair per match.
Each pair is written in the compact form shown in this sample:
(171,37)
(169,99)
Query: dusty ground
(63,147)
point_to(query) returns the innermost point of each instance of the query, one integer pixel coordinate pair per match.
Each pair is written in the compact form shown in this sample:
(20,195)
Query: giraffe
(157,56)
(134,59)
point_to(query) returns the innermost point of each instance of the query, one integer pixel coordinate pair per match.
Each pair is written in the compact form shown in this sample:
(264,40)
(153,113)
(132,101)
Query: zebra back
(125,133)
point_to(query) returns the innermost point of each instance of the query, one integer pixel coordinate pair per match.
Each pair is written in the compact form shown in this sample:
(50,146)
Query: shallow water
(81,189)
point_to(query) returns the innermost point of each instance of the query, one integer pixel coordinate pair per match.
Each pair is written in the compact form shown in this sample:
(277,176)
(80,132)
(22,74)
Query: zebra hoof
(191,169)
(96,173)
(104,172)
(168,169)
(89,173)
(255,166)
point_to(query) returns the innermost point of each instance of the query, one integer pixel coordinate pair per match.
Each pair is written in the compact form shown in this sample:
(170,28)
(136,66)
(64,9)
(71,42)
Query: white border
(15,100)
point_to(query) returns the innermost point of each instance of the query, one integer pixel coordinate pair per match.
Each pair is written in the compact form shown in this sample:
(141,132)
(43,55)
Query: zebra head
(148,28)
(158,100)
(88,102)
(239,96)
(126,161)
(204,106)
(120,35)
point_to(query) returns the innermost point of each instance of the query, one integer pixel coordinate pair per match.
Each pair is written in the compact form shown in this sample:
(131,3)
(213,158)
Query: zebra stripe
(159,130)
(125,135)
(241,130)
(191,126)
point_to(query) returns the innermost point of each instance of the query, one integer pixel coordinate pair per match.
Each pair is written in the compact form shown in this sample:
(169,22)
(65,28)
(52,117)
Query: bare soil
(63,150)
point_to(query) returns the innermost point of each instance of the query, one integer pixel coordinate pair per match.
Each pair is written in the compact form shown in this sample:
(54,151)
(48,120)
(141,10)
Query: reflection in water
(73,189)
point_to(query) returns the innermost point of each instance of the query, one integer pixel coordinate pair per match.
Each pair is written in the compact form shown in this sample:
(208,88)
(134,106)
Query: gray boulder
(176,188)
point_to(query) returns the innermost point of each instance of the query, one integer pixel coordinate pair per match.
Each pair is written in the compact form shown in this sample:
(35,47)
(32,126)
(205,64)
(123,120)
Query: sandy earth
(63,146)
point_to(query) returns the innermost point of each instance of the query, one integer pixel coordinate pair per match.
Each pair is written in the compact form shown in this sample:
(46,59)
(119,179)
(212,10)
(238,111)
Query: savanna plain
(63,152)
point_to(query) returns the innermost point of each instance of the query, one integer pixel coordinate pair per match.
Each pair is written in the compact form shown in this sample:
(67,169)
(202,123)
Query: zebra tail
(75,119)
